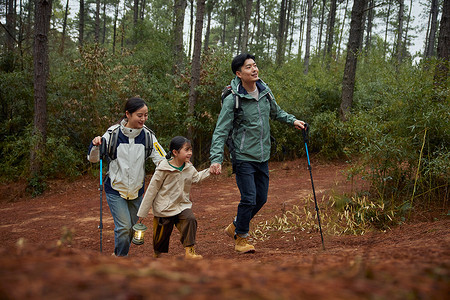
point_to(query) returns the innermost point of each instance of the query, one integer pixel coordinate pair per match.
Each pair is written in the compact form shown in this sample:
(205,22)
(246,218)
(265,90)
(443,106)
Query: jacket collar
(165,166)
(236,84)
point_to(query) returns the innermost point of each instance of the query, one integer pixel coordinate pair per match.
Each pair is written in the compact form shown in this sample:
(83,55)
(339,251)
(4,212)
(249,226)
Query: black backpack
(114,134)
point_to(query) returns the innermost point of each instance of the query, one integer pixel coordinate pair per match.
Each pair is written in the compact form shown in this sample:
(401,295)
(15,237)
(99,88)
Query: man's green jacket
(251,137)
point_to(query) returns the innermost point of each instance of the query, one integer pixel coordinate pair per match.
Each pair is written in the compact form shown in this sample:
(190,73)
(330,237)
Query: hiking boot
(190,253)
(242,245)
(230,230)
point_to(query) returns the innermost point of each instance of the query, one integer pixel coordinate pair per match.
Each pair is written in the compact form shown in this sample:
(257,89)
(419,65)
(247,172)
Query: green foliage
(402,141)
(60,161)
(397,136)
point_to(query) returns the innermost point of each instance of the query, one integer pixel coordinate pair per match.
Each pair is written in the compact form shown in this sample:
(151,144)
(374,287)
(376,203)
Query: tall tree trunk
(224,28)
(122,33)
(258,23)
(196,66)
(248,13)
(97,21)
(280,35)
(135,12)
(142,14)
(330,29)
(308,36)
(291,22)
(302,24)
(364,17)
(116,16)
(10,25)
(63,37)
(406,38)
(239,35)
(434,11)
(191,22)
(348,82)
(178,49)
(43,11)
(388,17)
(341,32)
(81,23)
(370,16)
(441,78)
(321,22)
(209,7)
(399,42)
(104,23)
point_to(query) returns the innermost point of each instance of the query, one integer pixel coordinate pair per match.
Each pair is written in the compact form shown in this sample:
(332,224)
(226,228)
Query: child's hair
(176,144)
(133,104)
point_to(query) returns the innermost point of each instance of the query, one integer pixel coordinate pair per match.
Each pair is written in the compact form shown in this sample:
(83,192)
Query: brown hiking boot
(190,253)
(242,245)
(230,230)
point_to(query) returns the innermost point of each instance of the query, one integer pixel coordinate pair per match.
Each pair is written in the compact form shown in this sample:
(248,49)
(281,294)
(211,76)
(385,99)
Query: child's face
(138,118)
(184,154)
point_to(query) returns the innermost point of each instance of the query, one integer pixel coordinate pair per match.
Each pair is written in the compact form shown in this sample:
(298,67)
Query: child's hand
(215,169)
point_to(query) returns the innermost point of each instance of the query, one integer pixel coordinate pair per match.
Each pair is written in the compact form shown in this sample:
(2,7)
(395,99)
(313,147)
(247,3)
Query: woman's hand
(97,141)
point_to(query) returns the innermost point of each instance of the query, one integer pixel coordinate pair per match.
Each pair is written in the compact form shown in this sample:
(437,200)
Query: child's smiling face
(184,154)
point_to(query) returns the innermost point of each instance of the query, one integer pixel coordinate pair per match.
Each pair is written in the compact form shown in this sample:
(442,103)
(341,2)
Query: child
(168,196)
(124,185)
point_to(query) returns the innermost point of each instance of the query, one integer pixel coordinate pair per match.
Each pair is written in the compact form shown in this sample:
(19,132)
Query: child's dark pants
(163,226)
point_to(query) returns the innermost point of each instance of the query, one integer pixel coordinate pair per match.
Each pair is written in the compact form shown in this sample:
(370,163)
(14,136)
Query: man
(251,140)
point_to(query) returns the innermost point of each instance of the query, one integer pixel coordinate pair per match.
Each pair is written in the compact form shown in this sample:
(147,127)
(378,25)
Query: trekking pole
(102,155)
(305,132)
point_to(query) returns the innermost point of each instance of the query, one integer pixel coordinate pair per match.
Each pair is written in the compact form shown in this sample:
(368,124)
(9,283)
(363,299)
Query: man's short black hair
(238,61)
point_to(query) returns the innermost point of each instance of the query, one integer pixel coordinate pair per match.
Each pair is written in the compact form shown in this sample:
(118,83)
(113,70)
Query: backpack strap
(148,141)
(112,145)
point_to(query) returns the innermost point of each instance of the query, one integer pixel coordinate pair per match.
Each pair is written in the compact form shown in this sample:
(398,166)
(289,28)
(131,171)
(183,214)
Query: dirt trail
(410,262)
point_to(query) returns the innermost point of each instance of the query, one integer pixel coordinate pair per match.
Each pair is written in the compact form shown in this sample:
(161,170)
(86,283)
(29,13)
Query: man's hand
(215,169)
(299,124)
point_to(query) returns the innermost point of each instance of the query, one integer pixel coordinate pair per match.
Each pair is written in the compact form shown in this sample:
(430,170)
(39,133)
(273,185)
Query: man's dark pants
(252,179)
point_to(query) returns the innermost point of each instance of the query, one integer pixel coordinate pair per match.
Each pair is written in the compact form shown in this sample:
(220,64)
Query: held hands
(299,124)
(215,169)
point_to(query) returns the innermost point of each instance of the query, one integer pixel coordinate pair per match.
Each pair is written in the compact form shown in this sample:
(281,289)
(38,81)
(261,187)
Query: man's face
(248,72)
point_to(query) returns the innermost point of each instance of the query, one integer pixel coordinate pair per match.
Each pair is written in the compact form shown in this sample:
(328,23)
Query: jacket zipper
(262,132)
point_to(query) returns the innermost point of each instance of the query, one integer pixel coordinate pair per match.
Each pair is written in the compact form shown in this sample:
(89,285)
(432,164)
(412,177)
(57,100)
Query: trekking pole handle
(103,148)
(305,132)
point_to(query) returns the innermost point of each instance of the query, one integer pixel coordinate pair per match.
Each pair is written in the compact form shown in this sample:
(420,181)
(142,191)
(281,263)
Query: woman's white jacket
(126,173)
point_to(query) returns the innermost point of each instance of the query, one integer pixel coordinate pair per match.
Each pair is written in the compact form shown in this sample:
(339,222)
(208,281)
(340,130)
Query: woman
(124,185)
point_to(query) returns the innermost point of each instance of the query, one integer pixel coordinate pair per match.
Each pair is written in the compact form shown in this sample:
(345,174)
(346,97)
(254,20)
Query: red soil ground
(49,248)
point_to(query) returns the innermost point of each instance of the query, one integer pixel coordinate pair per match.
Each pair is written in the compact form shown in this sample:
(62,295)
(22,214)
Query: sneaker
(230,230)
(242,245)
(190,253)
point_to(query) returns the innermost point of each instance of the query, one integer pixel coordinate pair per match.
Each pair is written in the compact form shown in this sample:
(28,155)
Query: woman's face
(138,118)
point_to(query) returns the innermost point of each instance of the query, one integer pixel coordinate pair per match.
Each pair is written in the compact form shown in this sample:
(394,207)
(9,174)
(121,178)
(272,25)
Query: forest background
(345,67)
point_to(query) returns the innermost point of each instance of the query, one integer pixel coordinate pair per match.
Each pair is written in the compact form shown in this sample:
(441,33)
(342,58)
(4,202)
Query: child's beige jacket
(168,192)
